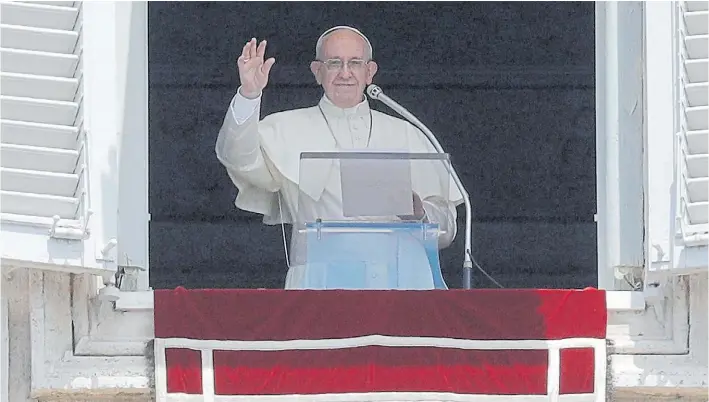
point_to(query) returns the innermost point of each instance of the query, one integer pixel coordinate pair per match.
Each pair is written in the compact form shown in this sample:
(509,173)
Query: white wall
(132,103)
(65,344)
(699,319)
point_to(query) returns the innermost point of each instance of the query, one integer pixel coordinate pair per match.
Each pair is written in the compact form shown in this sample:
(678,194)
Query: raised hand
(253,70)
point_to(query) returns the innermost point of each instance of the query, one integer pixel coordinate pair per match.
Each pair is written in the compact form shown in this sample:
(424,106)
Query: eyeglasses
(337,64)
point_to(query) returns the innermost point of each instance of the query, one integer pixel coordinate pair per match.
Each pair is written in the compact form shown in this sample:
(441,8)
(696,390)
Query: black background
(507,87)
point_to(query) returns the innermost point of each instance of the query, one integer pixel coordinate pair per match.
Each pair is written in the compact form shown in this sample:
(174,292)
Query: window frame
(620,165)
(632,214)
(621,213)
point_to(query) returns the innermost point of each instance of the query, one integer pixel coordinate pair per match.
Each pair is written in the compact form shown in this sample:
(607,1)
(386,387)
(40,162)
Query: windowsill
(616,301)
(135,301)
(624,300)
(27,243)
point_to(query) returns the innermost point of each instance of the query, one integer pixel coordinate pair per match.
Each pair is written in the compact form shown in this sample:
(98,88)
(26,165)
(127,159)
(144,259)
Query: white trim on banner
(207,348)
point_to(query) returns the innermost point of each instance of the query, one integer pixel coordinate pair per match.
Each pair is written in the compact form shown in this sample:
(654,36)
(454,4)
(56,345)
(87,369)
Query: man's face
(344,69)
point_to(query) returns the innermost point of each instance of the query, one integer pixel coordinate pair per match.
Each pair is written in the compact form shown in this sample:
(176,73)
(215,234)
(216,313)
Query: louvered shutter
(41,117)
(692,151)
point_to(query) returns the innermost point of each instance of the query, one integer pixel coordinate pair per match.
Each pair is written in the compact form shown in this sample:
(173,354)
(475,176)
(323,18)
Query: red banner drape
(451,316)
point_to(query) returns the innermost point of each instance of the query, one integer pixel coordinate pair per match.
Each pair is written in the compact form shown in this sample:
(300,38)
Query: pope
(262,156)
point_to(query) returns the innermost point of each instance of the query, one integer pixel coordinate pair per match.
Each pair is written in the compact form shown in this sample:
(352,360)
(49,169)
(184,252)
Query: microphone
(375,92)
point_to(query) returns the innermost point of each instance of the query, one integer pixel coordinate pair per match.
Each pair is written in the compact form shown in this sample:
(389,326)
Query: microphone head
(374,91)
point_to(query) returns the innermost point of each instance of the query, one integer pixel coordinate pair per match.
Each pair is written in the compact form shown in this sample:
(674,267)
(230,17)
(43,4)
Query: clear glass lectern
(359,222)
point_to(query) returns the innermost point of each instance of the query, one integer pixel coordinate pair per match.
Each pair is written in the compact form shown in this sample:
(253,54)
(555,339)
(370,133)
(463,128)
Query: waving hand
(253,70)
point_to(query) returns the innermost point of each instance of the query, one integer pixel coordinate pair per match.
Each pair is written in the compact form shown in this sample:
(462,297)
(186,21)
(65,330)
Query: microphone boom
(375,92)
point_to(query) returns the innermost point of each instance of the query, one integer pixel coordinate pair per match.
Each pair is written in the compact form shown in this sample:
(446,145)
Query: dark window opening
(508,88)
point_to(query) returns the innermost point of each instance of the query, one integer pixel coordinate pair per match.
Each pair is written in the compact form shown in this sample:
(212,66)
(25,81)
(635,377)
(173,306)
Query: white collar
(329,108)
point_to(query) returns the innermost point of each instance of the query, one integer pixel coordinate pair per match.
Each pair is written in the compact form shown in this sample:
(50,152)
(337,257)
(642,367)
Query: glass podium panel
(361,222)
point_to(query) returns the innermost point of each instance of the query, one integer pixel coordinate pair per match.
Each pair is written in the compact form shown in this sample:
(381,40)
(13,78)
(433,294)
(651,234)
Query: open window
(514,107)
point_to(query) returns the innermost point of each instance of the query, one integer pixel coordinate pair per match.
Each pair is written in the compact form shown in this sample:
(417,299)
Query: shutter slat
(697,165)
(38,182)
(38,134)
(697,118)
(697,46)
(698,189)
(695,22)
(50,2)
(38,110)
(38,204)
(38,86)
(697,70)
(38,63)
(698,94)
(698,212)
(37,39)
(38,15)
(698,141)
(38,158)
(696,6)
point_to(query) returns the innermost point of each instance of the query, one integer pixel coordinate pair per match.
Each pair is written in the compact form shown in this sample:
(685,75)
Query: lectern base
(370,256)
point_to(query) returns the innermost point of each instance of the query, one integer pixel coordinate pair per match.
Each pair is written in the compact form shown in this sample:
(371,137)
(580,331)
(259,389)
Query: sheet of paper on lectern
(376,187)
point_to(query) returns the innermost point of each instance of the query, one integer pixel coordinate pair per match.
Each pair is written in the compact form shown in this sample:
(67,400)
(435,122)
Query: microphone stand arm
(377,93)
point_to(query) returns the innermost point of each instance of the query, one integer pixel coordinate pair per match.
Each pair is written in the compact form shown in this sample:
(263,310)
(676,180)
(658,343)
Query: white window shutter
(47,154)
(41,117)
(692,150)
(74,96)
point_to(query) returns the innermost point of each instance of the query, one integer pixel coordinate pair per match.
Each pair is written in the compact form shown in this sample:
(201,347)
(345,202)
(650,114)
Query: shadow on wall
(507,87)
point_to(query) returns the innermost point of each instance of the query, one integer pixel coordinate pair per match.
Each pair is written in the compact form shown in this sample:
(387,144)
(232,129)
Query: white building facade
(74,202)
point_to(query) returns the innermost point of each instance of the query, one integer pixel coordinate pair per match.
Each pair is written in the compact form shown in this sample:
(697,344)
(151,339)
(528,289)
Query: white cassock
(262,159)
